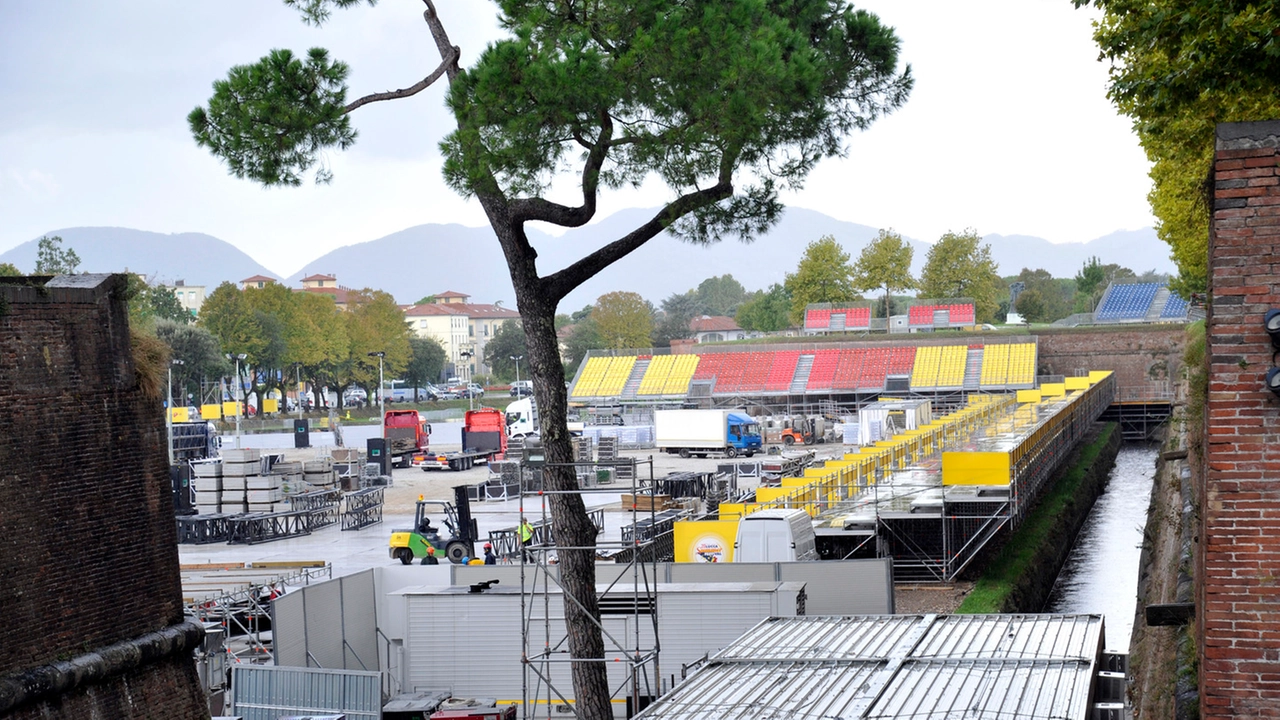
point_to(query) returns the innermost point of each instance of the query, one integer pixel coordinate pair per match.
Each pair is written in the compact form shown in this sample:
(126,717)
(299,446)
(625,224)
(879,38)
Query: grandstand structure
(932,498)
(922,316)
(1136,302)
(768,376)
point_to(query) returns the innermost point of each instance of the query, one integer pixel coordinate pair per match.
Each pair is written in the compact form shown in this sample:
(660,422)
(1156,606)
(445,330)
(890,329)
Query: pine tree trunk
(572,526)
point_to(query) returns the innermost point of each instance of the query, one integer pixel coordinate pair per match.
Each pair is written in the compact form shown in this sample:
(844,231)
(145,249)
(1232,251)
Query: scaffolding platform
(1138,419)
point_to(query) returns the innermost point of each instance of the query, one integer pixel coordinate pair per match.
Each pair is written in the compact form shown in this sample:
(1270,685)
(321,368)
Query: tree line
(287,336)
(278,336)
(1177,69)
(958,265)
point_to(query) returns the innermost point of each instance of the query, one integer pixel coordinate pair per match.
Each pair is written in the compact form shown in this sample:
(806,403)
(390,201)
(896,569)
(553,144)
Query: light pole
(466,356)
(236,395)
(382,416)
(168,415)
(298,368)
(517,359)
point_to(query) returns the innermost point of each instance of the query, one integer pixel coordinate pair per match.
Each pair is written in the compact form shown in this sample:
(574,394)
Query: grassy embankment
(1022,549)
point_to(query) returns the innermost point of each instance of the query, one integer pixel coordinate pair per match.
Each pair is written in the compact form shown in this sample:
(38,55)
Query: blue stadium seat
(1127,302)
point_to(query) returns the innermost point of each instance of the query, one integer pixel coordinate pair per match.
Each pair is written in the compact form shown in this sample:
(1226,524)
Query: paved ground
(352,551)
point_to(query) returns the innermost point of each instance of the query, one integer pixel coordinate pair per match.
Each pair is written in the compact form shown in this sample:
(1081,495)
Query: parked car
(521,388)
(469,390)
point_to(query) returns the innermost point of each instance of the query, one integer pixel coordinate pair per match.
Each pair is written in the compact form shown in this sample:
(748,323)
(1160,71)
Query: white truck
(522,419)
(702,432)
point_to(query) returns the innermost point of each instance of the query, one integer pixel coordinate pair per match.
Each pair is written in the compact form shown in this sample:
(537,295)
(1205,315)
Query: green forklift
(457,543)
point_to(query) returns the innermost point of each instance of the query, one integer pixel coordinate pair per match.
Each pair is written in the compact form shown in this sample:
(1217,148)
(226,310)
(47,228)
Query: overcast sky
(1008,129)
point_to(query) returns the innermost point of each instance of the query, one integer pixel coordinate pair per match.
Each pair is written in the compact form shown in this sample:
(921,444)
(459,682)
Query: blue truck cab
(743,432)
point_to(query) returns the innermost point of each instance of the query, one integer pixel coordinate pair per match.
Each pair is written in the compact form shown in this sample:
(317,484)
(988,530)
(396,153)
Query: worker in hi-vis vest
(526,537)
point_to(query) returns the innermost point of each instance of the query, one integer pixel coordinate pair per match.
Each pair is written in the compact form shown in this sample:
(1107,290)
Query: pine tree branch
(525,210)
(450,61)
(446,48)
(561,283)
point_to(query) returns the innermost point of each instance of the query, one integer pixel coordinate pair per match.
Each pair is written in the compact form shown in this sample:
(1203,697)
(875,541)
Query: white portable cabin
(469,644)
(874,419)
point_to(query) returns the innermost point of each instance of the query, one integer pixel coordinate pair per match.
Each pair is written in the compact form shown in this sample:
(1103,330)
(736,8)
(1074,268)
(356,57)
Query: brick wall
(88,555)
(1238,597)
(1147,360)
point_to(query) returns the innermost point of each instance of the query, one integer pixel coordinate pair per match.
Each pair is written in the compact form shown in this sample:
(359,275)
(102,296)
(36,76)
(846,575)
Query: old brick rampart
(1147,359)
(1238,574)
(88,556)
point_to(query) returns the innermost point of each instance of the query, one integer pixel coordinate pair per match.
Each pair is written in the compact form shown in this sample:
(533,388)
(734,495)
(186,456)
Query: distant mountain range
(429,259)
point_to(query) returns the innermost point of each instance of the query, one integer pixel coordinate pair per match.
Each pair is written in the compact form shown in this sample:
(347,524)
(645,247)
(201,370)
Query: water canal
(1101,574)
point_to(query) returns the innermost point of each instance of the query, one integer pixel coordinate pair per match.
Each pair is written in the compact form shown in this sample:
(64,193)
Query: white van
(775,536)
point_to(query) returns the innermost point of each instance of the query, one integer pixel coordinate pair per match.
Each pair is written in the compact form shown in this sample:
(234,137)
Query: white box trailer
(699,432)
(469,644)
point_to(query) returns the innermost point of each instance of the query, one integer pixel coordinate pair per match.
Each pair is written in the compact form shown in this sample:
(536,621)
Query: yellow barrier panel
(708,541)
(1053,389)
(230,409)
(770,494)
(1028,396)
(975,468)
(270,405)
(1098,375)
(178,414)
(212,411)
(1077,383)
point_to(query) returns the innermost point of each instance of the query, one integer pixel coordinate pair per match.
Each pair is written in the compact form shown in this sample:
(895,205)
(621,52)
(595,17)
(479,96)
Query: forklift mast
(468,530)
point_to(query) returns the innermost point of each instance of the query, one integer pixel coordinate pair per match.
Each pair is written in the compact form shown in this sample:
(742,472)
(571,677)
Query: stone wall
(88,555)
(1238,578)
(1147,360)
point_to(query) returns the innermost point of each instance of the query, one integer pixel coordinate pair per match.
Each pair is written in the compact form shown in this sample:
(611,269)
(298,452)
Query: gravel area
(923,599)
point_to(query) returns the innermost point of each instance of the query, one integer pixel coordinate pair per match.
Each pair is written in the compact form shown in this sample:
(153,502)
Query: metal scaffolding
(890,500)
(545,655)
(245,613)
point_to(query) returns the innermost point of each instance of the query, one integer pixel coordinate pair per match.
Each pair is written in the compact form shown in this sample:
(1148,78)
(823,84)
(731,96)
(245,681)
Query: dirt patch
(923,599)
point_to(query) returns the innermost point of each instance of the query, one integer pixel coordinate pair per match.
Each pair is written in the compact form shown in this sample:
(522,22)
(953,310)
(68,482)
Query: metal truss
(246,612)
(364,508)
(632,594)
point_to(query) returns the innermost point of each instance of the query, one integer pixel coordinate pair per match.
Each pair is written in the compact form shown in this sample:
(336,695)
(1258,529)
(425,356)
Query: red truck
(484,438)
(407,434)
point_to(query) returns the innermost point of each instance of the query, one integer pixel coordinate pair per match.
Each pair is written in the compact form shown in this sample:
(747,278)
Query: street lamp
(517,359)
(466,355)
(382,417)
(168,415)
(238,393)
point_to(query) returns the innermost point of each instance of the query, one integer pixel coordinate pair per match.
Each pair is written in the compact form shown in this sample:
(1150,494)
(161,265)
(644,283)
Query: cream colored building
(257,281)
(190,297)
(461,327)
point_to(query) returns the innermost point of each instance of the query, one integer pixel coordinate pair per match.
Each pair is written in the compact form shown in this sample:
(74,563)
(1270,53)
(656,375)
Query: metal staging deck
(933,498)
(898,666)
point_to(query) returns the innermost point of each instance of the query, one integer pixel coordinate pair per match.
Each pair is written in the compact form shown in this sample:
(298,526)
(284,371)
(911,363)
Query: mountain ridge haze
(432,258)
